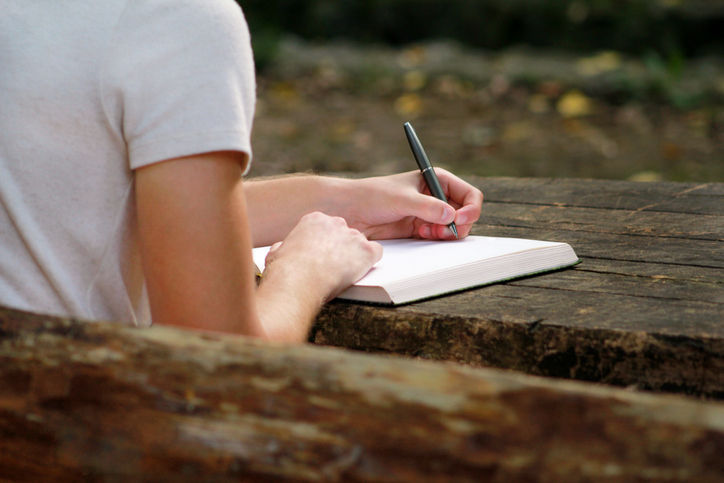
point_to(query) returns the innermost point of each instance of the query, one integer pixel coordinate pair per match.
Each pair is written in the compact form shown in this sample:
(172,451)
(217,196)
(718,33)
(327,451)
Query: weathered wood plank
(643,308)
(633,248)
(659,271)
(584,309)
(621,340)
(104,402)
(585,280)
(597,220)
(692,198)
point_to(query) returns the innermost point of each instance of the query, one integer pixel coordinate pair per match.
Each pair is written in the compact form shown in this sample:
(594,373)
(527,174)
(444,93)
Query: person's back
(89,91)
(124,132)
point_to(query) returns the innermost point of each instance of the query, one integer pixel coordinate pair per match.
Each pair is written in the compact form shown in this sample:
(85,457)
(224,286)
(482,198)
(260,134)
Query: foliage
(665,27)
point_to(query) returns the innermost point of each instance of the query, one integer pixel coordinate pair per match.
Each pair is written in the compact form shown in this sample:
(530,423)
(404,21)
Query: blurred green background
(575,88)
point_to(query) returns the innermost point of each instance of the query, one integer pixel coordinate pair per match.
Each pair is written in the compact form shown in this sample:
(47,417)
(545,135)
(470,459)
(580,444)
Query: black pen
(428,173)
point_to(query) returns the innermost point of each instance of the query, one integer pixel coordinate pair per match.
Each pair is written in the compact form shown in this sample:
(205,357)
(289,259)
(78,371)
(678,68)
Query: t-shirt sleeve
(180,79)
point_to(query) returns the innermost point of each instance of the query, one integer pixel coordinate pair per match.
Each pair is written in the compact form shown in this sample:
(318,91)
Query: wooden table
(98,401)
(645,307)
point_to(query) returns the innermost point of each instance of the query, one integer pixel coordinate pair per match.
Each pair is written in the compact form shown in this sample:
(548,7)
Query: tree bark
(101,401)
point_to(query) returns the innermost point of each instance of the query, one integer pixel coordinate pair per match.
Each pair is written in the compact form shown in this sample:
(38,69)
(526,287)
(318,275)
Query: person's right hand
(324,253)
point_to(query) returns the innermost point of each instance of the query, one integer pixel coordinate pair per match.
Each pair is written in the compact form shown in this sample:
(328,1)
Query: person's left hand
(400,206)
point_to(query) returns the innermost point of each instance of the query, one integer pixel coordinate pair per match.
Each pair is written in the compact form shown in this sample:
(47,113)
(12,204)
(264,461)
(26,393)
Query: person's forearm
(286,306)
(275,205)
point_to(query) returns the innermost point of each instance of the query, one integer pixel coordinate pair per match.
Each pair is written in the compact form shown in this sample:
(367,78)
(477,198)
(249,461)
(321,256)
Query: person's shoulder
(209,22)
(194,13)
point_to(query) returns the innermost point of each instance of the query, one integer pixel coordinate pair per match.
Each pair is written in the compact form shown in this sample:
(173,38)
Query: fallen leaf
(574,104)
(647,176)
(408,105)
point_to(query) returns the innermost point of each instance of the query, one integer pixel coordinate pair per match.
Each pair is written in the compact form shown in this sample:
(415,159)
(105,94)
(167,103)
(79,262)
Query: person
(124,133)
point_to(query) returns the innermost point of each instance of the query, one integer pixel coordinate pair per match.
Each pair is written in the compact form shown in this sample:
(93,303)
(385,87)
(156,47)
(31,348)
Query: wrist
(288,300)
(335,195)
(296,279)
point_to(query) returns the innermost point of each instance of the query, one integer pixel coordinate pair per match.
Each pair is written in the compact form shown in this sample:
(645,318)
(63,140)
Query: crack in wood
(693,265)
(579,227)
(612,292)
(646,208)
(675,195)
(652,277)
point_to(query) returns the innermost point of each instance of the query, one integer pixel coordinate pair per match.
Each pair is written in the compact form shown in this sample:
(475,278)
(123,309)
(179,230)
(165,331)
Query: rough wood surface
(100,402)
(644,308)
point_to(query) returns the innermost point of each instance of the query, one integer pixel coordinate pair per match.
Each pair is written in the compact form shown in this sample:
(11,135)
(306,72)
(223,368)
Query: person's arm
(196,250)
(276,204)
(396,206)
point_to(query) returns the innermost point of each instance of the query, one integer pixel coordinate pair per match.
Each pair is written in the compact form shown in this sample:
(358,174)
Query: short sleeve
(180,79)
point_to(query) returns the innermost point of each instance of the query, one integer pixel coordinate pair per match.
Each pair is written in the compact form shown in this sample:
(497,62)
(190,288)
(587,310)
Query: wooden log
(100,401)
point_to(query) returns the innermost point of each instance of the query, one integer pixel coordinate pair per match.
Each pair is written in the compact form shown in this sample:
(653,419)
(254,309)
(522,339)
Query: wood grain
(644,308)
(97,401)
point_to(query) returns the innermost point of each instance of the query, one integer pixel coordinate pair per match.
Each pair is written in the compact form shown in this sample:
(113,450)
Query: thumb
(428,208)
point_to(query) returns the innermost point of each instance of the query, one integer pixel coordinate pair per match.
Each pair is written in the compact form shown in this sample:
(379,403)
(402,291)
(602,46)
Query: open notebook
(413,269)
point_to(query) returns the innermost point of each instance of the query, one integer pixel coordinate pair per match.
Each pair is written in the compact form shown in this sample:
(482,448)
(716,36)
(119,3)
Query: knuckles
(339,234)
(318,217)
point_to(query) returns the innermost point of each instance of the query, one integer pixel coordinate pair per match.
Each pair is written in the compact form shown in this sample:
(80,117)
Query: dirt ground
(327,109)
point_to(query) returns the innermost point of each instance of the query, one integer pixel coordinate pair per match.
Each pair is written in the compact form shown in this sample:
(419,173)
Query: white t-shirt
(89,91)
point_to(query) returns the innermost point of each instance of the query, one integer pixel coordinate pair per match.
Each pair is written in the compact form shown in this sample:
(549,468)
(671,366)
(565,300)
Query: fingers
(376,249)
(461,195)
(400,206)
(327,253)
(465,196)
(426,208)
(442,232)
